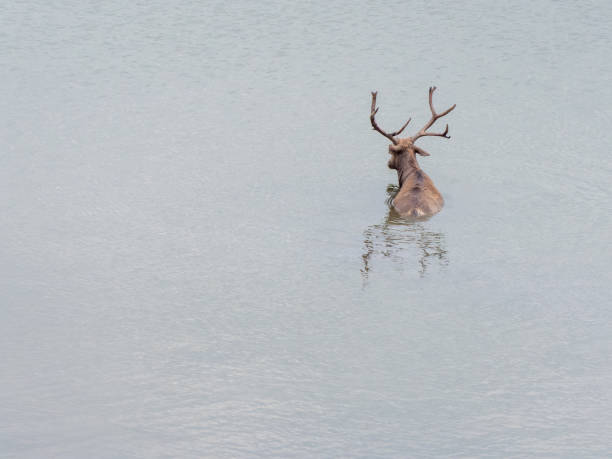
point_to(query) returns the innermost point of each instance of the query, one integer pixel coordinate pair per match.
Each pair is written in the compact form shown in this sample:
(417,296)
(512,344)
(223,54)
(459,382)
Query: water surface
(197,258)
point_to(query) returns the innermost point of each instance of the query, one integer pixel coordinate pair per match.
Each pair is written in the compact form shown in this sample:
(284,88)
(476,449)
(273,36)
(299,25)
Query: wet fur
(418,196)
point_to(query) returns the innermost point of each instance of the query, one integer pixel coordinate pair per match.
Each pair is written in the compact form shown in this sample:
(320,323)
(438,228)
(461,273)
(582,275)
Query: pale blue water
(197,259)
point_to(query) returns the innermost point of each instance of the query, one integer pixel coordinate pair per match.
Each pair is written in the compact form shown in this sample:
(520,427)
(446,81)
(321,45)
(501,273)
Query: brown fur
(418,196)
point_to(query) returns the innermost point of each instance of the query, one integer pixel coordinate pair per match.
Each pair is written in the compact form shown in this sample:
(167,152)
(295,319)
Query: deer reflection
(399,238)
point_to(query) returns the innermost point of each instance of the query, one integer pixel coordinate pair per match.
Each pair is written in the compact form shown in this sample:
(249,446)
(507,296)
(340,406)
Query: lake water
(197,258)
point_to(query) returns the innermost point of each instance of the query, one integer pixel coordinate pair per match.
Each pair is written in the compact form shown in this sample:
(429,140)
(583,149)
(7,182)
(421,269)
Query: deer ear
(420,151)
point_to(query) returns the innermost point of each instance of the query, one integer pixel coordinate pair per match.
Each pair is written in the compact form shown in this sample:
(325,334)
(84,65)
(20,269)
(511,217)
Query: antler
(434,117)
(375,126)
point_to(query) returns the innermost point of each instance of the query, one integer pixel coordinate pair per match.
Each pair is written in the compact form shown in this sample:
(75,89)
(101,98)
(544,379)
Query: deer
(417,195)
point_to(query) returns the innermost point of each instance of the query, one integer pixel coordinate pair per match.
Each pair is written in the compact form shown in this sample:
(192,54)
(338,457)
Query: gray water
(197,258)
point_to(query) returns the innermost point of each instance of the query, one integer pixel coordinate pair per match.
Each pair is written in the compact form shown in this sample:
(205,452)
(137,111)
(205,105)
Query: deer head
(399,146)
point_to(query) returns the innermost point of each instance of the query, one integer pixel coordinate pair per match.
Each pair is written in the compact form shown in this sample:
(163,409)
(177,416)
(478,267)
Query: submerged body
(418,196)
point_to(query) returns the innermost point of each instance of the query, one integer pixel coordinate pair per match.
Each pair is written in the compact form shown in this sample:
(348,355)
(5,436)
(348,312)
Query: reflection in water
(400,239)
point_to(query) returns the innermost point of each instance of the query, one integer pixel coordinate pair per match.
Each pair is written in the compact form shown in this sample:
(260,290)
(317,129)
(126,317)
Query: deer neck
(407,167)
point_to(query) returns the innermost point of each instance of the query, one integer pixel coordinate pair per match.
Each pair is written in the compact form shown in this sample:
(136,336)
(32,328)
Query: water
(197,258)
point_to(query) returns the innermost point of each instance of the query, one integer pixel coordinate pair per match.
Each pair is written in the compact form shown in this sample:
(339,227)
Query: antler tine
(401,129)
(375,126)
(434,117)
(431,91)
